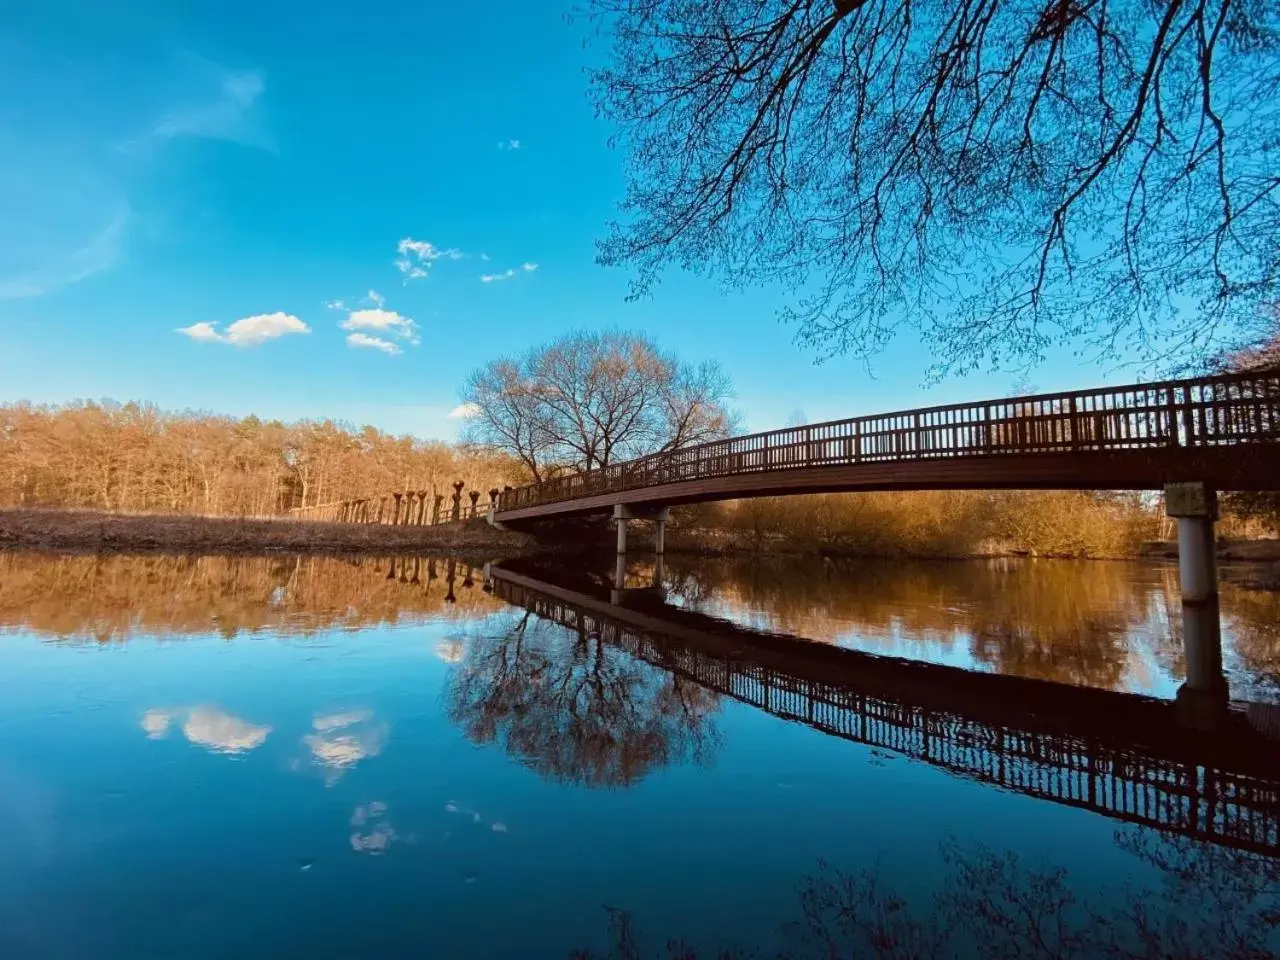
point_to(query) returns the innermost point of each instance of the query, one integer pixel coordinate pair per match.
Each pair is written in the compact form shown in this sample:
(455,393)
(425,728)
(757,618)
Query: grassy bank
(106,532)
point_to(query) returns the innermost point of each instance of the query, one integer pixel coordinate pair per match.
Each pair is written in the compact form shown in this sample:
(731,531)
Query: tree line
(134,457)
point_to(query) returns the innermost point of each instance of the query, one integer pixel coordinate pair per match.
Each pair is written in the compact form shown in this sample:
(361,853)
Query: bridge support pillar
(1195,507)
(1202,698)
(659,515)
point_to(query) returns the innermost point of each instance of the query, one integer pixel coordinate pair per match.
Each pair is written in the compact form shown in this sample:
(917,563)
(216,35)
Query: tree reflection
(1209,902)
(575,709)
(110,598)
(1086,623)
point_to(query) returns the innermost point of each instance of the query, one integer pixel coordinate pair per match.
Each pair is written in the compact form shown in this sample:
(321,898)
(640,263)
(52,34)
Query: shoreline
(85,531)
(88,531)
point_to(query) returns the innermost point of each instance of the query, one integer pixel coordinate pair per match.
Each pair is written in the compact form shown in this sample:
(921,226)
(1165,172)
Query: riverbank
(178,534)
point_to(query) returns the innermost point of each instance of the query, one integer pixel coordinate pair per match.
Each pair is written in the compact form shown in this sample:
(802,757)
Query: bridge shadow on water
(1205,802)
(1130,757)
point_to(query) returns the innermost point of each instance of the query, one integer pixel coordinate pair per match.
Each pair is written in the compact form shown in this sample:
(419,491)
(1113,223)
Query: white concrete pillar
(660,534)
(622,535)
(1202,646)
(1195,507)
(1202,698)
(620,573)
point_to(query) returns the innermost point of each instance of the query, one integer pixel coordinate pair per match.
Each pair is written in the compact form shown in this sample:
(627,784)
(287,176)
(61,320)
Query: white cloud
(100,252)
(208,727)
(223,115)
(377,299)
(416,257)
(451,650)
(156,723)
(463,411)
(336,305)
(201,331)
(363,340)
(341,740)
(508,274)
(221,732)
(383,321)
(247,331)
(510,145)
(336,721)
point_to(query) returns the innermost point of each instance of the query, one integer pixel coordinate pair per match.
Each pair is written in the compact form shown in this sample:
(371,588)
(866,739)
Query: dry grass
(102,532)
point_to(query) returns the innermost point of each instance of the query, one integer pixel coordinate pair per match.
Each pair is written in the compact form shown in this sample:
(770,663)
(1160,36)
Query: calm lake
(307,757)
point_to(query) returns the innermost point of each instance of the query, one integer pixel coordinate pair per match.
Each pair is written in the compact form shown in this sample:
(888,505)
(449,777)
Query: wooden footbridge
(1222,431)
(1120,755)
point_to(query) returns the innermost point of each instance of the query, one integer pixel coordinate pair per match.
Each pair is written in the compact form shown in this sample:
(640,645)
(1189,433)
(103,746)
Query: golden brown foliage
(114,598)
(110,456)
(936,524)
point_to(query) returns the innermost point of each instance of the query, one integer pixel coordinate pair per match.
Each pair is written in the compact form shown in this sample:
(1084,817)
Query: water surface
(239,757)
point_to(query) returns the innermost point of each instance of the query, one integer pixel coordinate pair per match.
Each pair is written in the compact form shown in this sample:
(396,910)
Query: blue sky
(291,210)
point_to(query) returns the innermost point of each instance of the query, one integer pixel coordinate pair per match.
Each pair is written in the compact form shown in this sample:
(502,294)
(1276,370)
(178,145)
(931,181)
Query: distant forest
(130,457)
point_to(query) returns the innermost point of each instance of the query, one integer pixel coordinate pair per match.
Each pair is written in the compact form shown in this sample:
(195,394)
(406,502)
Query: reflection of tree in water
(1211,903)
(112,598)
(1253,622)
(575,709)
(1069,621)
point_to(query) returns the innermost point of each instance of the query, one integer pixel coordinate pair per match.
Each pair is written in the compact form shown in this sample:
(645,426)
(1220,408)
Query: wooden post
(422,507)
(457,500)
(493,499)
(395,516)
(1188,417)
(475,496)
(435,509)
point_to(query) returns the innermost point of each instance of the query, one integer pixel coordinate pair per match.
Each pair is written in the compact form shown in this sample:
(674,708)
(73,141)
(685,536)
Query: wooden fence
(412,508)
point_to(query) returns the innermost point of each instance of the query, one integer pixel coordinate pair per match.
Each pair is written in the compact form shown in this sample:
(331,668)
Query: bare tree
(999,175)
(590,399)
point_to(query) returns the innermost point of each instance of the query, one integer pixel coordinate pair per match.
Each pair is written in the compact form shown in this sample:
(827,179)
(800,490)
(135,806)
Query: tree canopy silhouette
(999,175)
(587,400)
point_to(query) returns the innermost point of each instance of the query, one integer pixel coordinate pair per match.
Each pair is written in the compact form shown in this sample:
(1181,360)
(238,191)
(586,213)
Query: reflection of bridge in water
(1121,755)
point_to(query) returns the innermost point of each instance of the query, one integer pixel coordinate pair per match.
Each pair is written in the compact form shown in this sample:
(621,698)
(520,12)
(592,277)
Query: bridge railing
(1200,412)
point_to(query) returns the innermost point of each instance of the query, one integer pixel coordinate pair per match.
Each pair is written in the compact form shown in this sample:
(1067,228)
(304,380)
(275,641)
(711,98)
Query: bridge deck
(1223,430)
(1120,755)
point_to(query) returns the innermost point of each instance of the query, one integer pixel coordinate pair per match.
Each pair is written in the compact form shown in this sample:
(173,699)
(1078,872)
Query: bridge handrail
(1193,412)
